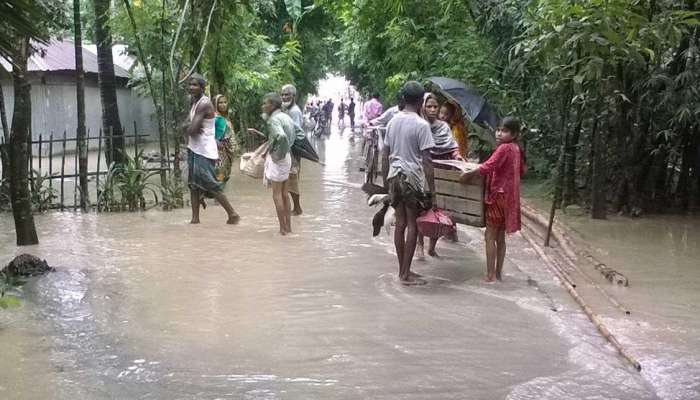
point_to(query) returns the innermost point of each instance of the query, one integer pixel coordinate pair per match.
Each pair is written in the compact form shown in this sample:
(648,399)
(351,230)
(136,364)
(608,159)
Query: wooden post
(556,203)
(136,140)
(63,167)
(99,161)
(31,163)
(51,161)
(76,175)
(40,142)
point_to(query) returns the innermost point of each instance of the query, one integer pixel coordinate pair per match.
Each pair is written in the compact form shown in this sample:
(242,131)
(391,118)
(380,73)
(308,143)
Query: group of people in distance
(418,130)
(210,146)
(417,133)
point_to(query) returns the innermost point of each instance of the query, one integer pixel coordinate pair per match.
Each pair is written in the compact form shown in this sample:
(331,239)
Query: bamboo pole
(136,141)
(40,143)
(63,167)
(586,309)
(573,253)
(575,267)
(51,161)
(75,181)
(32,183)
(99,161)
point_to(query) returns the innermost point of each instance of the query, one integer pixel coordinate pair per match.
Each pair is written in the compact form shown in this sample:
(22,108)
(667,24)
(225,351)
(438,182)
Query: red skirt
(496,212)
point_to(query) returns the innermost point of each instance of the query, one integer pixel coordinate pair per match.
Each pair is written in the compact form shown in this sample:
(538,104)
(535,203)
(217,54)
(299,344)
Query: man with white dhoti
(289,106)
(278,163)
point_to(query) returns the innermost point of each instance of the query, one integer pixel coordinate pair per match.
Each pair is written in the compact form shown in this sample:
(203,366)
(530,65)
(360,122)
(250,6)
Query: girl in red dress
(502,172)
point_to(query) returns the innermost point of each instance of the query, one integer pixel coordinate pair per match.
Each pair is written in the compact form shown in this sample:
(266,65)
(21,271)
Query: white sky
(335,87)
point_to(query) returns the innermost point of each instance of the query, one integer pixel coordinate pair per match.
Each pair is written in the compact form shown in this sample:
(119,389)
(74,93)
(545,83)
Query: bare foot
(283,232)
(233,219)
(412,274)
(297,211)
(420,253)
(413,281)
(194,221)
(489,279)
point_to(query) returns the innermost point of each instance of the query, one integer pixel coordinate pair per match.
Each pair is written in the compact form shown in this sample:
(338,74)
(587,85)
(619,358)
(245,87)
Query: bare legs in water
(405,236)
(297,205)
(196,198)
(280,196)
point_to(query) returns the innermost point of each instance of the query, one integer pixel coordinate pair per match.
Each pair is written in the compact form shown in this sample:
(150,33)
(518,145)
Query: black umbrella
(303,148)
(474,105)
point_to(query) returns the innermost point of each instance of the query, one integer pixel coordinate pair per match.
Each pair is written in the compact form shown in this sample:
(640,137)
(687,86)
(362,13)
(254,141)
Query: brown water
(660,255)
(146,306)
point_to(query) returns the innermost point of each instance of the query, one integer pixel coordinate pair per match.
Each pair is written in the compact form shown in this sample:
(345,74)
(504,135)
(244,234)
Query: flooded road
(146,306)
(660,255)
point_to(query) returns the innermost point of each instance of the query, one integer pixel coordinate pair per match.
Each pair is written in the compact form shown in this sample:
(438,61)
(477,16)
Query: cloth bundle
(435,223)
(253,163)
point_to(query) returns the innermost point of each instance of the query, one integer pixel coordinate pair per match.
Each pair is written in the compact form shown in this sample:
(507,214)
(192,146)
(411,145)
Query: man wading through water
(202,153)
(278,162)
(289,106)
(406,152)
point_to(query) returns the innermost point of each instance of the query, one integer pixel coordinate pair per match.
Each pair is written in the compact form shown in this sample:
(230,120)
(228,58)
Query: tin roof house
(51,72)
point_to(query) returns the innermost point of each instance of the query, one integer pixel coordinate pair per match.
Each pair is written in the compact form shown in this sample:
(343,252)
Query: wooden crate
(463,202)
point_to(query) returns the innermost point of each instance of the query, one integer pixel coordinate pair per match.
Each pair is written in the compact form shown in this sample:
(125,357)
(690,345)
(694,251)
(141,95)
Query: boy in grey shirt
(407,155)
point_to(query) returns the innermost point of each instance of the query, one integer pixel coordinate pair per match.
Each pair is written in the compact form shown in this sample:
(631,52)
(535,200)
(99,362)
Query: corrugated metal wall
(54,107)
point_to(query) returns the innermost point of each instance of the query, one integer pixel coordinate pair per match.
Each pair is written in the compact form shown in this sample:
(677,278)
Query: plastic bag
(253,163)
(435,223)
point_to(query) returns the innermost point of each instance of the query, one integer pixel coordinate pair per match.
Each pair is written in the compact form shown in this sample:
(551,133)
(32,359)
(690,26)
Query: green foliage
(35,19)
(42,195)
(107,191)
(173,194)
(9,291)
(132,181)
(126,186)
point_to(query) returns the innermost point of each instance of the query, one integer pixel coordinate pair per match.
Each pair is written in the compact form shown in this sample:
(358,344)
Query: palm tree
(108,90)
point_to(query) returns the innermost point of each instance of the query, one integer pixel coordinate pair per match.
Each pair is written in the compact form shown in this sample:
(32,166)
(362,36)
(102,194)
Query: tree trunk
(598,200)
(19,168)
(114,146)
(570,162)
(684,180)
(4,143)
(80,95)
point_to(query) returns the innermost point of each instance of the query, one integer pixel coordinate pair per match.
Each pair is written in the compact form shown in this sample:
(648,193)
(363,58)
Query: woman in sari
(223,134)
(449,113)
(446,148)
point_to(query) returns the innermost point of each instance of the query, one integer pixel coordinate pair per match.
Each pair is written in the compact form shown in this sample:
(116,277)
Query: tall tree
(80,95)
(4,142)
(108,89)
(19,171)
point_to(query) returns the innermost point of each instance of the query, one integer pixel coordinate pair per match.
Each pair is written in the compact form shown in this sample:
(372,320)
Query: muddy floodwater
(146,306)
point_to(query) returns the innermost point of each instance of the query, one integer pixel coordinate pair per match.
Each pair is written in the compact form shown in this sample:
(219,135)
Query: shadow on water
(146,306)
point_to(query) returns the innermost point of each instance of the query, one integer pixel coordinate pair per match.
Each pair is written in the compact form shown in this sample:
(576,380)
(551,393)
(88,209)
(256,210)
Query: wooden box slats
(463,202)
